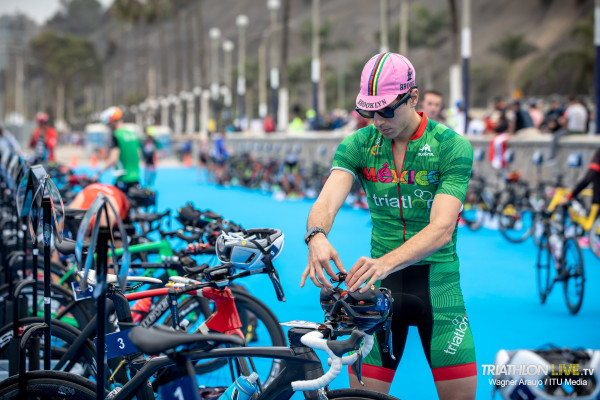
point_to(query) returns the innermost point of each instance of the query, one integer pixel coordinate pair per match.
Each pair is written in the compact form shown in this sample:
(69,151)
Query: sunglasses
(387,112)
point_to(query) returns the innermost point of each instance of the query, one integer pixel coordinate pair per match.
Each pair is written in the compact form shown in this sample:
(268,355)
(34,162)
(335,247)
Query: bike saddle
(159,339)
(112,278)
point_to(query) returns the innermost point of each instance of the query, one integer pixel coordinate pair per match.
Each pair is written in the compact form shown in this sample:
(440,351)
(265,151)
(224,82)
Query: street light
(227,49)
(215,35)
(273,6)
(241,21)
(316,64)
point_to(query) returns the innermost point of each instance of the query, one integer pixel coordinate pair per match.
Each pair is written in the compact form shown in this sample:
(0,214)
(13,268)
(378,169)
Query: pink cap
(384,77)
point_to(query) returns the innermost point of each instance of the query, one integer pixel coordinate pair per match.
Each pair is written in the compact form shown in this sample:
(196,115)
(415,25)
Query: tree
(67,60)
(512,47)
(426,31)
(77,17)
(577,65)
(142,13)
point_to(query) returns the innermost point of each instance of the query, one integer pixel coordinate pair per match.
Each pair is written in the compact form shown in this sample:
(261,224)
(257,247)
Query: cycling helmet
(111,114)
(368,311)
(248,249)
(533,375)
(42,118)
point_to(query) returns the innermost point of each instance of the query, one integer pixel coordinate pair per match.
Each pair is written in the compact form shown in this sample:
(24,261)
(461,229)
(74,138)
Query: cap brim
(373,103)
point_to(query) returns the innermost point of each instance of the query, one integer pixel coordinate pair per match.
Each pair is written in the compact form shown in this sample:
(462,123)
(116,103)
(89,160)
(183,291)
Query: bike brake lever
(356,367)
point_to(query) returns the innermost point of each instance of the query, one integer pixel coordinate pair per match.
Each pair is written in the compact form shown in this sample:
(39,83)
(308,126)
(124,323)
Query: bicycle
(559,255)
(301,367)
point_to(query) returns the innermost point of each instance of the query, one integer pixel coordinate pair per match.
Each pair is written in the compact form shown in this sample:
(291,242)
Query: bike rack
(99,244)
(37,187)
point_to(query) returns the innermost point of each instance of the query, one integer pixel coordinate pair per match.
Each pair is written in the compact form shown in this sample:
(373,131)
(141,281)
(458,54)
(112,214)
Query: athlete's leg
(448,342)
(370,384)
(457,389)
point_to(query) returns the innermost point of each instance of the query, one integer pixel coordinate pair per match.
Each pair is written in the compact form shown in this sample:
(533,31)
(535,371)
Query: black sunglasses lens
(365,113)
(386,112)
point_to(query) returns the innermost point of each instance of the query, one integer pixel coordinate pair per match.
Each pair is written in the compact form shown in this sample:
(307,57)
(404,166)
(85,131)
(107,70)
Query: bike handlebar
(315,340)
(179,233)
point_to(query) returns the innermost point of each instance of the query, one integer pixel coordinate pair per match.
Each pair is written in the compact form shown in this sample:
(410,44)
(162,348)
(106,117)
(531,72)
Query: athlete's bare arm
(322,214)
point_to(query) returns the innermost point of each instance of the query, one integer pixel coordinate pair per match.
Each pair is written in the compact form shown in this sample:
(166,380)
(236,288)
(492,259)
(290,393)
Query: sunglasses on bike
(387,112)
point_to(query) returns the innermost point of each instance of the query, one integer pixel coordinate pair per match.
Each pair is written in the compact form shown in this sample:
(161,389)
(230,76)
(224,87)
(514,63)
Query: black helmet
(368,311)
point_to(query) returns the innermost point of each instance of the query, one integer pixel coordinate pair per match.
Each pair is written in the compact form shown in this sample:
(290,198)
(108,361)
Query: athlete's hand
(320,253)
(366,268)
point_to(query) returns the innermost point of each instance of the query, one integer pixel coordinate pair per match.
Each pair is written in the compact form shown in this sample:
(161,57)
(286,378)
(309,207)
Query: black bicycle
(559,259)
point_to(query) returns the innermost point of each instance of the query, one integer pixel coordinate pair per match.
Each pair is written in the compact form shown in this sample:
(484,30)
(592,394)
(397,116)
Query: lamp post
(273,6)
(316,64)
(164,111)
(383,19)
(197,92)
(262,76)
(227,50)
(215,35)
(466,55)
(241,21)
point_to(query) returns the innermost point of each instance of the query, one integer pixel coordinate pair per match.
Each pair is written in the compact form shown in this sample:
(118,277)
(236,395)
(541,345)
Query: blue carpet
(497,278)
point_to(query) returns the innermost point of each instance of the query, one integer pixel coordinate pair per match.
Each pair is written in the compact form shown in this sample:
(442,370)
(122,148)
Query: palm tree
(577,65)
(512,47)
(425,31)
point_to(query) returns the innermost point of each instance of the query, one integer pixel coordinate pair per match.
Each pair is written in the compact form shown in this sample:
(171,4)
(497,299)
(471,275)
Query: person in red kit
(44,139)
(117,198)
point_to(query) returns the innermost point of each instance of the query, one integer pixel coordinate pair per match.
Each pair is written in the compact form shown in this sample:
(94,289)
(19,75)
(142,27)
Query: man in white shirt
(575,116)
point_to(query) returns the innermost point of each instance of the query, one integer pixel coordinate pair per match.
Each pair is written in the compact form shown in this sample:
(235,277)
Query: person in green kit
(415,173)
(124,150)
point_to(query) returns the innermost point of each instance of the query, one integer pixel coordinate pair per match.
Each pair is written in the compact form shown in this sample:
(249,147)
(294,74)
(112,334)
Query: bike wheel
(474,214)
(352,394)
(595,238)
(574,281)
(544,267)
(49,385)
(516,222)
(63,306)
(83,361)
(259,326)
(538,228)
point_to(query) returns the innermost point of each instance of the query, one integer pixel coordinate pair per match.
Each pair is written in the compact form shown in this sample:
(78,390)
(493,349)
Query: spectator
(219,156)
(431,105)
(269,124)
(518,118)
(552,117)
(575,117)
(536,115)
(149,148)
(497,120)
(456,118)
(44,139)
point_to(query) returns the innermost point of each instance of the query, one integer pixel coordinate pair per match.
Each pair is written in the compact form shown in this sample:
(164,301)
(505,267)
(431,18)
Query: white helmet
(537,374)
(248,249)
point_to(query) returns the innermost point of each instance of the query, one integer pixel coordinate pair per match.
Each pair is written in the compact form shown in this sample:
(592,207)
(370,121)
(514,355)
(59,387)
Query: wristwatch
(312,232)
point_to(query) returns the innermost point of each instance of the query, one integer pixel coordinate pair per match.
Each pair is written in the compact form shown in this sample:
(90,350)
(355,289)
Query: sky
(38,10)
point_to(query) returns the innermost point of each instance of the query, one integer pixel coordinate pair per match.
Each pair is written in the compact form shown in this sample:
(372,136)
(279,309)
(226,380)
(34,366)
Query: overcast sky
(38,10)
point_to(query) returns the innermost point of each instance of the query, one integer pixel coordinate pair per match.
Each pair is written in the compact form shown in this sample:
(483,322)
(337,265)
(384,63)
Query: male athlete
(124,150)
(415,173)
